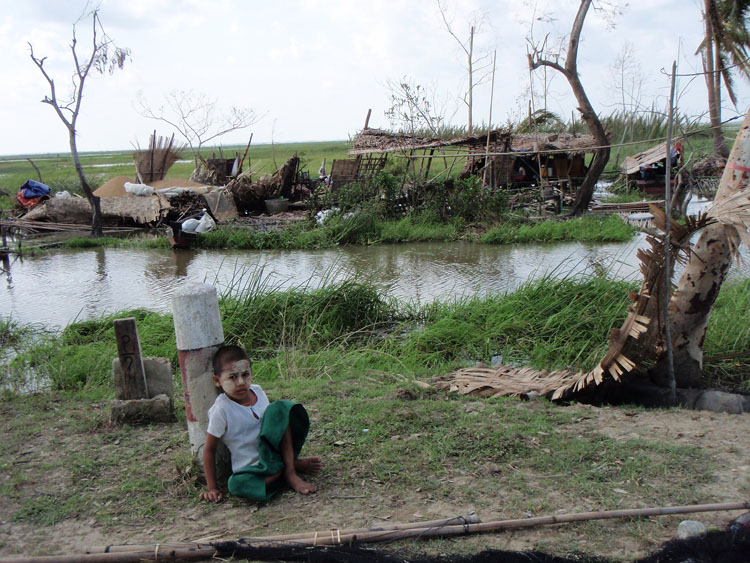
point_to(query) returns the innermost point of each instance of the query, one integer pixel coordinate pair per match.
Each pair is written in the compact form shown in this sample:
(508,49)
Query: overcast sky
(312,68)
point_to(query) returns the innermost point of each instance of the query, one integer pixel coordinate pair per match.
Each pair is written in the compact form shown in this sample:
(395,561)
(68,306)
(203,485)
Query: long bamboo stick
(469,519)
(155,554)
(455,530)
(200,551)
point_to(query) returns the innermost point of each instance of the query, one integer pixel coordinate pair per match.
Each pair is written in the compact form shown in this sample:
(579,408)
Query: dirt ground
(723,437)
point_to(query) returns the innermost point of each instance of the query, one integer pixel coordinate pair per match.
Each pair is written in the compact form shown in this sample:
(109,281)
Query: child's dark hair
(227,355)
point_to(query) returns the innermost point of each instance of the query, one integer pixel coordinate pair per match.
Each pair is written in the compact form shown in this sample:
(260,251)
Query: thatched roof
(632,164)
(553,142)
(371,141)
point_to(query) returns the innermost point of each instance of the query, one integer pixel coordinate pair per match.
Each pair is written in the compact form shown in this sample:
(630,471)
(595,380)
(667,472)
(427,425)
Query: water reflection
(167,266)
(78,284)
(5,259)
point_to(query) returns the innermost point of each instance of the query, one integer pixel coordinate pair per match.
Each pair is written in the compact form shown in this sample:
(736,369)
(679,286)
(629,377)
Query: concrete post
(197,326)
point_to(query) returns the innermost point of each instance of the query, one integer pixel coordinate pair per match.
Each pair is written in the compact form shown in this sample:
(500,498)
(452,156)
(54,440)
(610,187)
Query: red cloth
(28,203)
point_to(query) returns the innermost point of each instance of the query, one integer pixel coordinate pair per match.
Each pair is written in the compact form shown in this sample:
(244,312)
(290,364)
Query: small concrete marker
(134,384)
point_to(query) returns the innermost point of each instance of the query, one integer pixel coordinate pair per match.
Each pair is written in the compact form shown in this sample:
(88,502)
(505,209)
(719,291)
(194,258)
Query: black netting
(730,546)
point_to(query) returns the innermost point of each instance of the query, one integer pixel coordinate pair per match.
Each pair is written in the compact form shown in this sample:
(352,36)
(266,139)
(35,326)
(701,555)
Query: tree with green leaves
(725,48)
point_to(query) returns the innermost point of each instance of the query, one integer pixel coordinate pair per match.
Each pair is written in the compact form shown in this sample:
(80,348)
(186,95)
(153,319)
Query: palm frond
(734,211)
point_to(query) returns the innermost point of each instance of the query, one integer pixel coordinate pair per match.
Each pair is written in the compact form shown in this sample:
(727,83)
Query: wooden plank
(131,362)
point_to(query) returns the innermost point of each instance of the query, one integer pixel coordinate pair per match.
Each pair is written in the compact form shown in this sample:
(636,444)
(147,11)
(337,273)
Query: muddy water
(57,289)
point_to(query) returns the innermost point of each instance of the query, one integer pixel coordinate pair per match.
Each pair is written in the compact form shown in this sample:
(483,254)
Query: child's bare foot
(309,465)
(299,485)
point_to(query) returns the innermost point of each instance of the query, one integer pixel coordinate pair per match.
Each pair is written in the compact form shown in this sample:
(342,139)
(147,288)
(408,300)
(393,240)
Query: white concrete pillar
(197,326)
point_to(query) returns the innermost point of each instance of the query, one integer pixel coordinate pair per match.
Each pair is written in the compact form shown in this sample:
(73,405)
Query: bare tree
(627,78)
(474,65)
(197,117)
(105,57)
(412,109)
(538,58)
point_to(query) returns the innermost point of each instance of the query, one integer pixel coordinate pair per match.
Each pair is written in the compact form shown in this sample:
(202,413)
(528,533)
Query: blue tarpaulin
(32,188)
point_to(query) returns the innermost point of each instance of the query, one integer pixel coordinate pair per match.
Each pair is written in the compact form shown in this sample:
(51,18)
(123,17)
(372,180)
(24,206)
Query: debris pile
(251,195)
(217,171)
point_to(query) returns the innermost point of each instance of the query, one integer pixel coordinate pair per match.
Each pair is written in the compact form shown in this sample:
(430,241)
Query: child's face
(235,380)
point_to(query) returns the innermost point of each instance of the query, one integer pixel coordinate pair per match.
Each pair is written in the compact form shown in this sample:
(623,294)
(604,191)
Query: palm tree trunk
(691,304)
(713,85)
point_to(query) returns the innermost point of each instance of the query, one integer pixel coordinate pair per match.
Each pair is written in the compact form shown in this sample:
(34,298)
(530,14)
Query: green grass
(583,229)
(383,442)
(627,197)
(727,334)
(564,323)
(365,228)
(12,333)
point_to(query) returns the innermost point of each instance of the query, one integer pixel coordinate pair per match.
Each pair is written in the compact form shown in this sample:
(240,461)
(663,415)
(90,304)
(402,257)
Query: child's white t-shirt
(238,426)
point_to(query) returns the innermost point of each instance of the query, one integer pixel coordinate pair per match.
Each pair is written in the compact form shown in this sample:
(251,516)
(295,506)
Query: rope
(705,73)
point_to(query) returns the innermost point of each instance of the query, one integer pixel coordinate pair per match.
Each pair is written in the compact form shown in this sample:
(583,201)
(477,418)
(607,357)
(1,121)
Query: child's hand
(212,495)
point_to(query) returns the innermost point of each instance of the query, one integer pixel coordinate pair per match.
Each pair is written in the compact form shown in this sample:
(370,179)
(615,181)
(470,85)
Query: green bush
(463,199)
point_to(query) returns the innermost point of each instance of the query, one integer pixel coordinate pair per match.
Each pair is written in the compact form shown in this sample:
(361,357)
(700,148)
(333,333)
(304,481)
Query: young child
(264,439)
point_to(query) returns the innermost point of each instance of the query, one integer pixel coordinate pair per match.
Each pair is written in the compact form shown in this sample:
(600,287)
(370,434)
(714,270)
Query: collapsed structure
(501,159)
(149,200)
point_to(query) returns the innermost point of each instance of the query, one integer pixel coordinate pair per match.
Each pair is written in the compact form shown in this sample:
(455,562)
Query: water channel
(56,289)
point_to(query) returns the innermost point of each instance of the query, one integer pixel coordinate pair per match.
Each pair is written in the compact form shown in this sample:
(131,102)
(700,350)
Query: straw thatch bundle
(152,164)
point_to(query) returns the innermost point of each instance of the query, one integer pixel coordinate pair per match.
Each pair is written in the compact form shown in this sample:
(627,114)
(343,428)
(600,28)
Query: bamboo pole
(455,530)
(155,554)
(489,126)
(468,519)
(202,551)
(667,288)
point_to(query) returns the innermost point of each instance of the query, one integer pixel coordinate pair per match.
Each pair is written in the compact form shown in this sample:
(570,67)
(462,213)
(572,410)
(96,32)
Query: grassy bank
(352,355)
(365,229)
(582,229)
(548,324)
(136,484)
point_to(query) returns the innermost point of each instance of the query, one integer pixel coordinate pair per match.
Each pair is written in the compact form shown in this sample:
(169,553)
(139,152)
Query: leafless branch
(197,117)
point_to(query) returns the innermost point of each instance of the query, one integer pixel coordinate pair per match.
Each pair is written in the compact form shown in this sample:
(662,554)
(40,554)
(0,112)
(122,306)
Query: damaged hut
(646,171)
(516,162)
